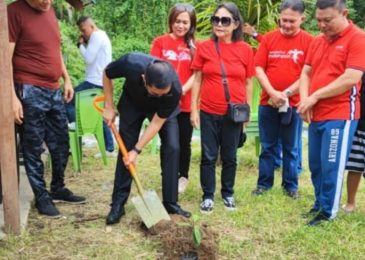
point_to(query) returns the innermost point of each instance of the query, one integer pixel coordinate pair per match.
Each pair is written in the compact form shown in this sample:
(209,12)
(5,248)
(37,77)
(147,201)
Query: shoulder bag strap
(224,75)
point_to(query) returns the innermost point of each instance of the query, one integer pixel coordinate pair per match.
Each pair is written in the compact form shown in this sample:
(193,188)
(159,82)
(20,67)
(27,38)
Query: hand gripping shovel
(147,203)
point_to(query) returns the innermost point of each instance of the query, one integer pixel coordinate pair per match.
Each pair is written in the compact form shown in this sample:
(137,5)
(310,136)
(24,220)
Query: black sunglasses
(224,20)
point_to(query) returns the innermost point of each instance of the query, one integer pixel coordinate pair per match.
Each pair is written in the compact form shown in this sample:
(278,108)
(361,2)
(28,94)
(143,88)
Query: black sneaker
(207,205)
(229,203)
(317,220)
(258,192)
(65,195)
(46,207)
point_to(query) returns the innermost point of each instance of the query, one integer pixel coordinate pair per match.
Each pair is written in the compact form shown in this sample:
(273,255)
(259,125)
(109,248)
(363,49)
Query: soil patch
(176,237)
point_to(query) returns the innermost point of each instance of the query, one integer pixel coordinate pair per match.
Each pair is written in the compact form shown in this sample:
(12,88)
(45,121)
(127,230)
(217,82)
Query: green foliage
(71,54)
(263,14)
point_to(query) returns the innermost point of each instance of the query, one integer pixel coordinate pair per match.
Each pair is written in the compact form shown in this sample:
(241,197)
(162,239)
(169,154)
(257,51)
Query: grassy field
(266,227)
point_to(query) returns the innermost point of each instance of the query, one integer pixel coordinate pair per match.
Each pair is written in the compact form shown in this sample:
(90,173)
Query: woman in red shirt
(177,47)
(217,131)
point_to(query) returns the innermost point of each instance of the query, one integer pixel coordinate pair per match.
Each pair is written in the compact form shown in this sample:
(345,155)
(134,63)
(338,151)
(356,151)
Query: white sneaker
(183,183)
(207,205)
(89,142)
(113,154)
(72,126)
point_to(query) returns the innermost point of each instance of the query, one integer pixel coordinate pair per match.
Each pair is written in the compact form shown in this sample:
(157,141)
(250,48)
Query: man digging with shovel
(151,90)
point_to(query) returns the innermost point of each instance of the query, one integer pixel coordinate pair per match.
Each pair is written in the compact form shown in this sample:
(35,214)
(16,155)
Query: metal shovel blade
(150,208)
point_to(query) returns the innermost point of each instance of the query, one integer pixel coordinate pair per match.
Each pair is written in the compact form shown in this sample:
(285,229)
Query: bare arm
(195,94)
(249,88)
(337,87)
(293,88)
(277,97)
(304,82)
(109,110)
(188,84)
(152,129)
(68,89)
(17,105)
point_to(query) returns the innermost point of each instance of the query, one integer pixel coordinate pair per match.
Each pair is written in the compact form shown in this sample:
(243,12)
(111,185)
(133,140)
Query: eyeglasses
(184,7)
(224,20)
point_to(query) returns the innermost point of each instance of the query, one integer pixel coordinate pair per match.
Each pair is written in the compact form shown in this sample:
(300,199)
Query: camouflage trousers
(44,121)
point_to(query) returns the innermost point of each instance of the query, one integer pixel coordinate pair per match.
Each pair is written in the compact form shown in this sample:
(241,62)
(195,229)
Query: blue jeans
(271,131)
(44,121)
(218,134)
(109,142)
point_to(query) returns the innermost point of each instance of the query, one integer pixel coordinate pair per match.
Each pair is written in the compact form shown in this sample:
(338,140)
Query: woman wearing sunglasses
(178,48)
(218,133)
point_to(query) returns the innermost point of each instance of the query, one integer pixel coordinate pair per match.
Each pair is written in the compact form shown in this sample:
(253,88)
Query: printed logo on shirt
(184,54)
(333,145)
(291,54)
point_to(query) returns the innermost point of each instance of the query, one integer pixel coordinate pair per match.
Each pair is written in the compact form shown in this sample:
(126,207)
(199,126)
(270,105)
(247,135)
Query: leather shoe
(174,208)
(115,214)
(319,219)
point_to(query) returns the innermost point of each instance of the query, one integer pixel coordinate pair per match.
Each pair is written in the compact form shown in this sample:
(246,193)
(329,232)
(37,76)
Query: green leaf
(197,236)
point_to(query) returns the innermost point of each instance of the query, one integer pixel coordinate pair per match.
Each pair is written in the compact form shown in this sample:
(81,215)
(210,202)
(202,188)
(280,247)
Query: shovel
(148,204)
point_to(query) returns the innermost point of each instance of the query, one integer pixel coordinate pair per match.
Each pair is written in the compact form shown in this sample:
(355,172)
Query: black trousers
(130,125)
(185,133)
(218,134)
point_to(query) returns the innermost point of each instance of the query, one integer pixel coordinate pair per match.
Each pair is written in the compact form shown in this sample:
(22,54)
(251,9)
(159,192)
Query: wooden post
(9,178)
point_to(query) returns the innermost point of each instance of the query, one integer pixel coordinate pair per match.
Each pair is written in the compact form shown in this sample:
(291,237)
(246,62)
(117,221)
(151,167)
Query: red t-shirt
(282,57)
(178,54)
(37,54)
(329,60)
(238,61)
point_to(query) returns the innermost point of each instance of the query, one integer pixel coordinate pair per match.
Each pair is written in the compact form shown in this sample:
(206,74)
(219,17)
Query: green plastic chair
(252,130)
(88,122)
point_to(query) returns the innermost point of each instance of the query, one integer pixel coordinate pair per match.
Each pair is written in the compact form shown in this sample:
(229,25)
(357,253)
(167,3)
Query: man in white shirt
(96,50)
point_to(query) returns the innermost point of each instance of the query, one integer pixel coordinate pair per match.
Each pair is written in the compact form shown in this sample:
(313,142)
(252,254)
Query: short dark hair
(82,19)
(337,4)
(235,12)
(159,74)
(295,5)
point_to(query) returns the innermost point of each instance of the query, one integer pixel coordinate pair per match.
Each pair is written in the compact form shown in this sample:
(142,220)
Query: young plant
(197,235)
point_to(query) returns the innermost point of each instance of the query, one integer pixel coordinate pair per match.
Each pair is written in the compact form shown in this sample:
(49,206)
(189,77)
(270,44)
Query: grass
(265,227)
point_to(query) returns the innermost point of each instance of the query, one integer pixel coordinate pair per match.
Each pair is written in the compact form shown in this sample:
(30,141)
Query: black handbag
(236,112)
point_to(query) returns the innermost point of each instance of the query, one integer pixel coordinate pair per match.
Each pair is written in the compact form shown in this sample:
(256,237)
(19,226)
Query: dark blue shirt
(131,67)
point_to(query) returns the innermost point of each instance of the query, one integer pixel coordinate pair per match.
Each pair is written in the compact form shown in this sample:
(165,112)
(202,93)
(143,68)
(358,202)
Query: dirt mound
(176,237)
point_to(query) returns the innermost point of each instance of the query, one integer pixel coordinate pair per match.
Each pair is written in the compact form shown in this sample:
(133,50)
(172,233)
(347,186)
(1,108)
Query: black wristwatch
(136,150)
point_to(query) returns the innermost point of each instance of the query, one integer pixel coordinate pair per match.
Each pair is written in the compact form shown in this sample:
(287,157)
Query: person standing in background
(281,52)
(178,48)
(38,103)
(96,50)
(329,101)
(218,132)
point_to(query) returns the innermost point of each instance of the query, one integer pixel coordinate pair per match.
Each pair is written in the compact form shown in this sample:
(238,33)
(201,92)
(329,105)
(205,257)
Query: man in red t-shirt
(329,101)
(279,61)
(35,45)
